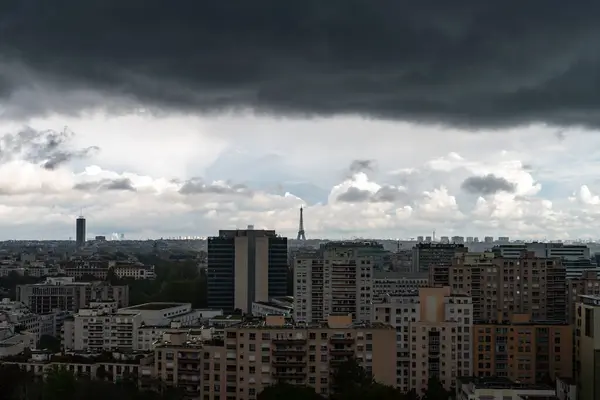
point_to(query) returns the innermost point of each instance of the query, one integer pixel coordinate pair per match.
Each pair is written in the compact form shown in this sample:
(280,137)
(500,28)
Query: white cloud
(285,163)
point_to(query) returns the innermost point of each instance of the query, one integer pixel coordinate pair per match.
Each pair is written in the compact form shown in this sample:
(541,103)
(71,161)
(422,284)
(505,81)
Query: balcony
(282,375)
(348,352)
(289,362)
(288,351)
(289,341)
(341,339)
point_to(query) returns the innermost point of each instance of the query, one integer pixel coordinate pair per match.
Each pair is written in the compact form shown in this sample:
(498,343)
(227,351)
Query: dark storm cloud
(49,147)
(468,62)
(386,194)
(488,184)
(198,186)
(121,184)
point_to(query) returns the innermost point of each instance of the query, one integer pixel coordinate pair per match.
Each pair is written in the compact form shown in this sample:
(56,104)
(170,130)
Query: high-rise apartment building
(433,336)
(80,232)
(528,284)
(245,266)
(522,350)
(336,279)
(587,347)
(426,256)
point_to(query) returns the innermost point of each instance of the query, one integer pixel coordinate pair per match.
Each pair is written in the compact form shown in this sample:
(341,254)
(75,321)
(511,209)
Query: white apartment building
(338,279)
(103,327)
(431,325)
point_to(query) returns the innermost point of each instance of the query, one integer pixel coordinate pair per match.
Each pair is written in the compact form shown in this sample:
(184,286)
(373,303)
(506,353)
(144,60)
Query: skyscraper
(245,266)
(80,231)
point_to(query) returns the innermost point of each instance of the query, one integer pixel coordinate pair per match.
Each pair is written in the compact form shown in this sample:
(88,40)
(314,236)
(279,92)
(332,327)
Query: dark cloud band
(464,62)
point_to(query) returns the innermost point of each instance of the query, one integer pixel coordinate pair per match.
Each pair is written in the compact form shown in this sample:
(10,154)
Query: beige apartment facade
(523,350)
(503,286)
(433,336)
(263,351)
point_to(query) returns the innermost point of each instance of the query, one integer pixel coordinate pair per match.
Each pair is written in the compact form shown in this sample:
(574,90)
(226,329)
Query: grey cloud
(466,62)
(198,186)
(121,184)
(357,166)
(386,194)
(48,147)
(488,184)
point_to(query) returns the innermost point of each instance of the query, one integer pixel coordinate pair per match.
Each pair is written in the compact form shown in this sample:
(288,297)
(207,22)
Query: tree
(49,343)
(435,391)
(59,384)
(288,392)
(349,377)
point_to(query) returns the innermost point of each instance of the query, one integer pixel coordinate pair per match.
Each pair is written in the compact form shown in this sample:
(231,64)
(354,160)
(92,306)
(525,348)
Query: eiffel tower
(301,235)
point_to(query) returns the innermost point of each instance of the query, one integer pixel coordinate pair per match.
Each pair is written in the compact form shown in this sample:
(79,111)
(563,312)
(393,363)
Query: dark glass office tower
(80,232)
(245,266)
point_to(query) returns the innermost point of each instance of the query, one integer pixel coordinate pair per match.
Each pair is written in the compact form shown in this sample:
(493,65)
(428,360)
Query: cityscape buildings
(515,319)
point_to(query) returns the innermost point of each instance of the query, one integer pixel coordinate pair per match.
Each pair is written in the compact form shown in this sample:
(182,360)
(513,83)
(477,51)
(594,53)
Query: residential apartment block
(66,295)
(338,279)
(587,284)
(433,336)
(528,284)
(522,350)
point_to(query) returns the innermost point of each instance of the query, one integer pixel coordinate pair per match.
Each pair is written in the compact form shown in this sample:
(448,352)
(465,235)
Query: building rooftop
(497,382)
(154,306)
(288,323)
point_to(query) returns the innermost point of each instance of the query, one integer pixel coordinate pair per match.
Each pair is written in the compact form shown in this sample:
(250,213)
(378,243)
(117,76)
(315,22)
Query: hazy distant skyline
(384,119)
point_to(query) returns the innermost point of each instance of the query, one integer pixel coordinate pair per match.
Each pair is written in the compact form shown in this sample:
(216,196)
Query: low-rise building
(13,342)
(104,327)
(492,388)
(106,366)
(263,308)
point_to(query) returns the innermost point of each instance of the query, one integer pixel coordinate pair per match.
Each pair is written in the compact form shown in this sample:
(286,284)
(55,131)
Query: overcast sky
(383,118)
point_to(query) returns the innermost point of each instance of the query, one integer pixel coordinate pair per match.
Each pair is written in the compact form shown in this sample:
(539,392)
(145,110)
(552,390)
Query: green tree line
(59,384)
(352,382)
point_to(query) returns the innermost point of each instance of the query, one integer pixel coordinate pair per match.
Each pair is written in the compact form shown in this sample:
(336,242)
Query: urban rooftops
(497,382)
(154,306)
